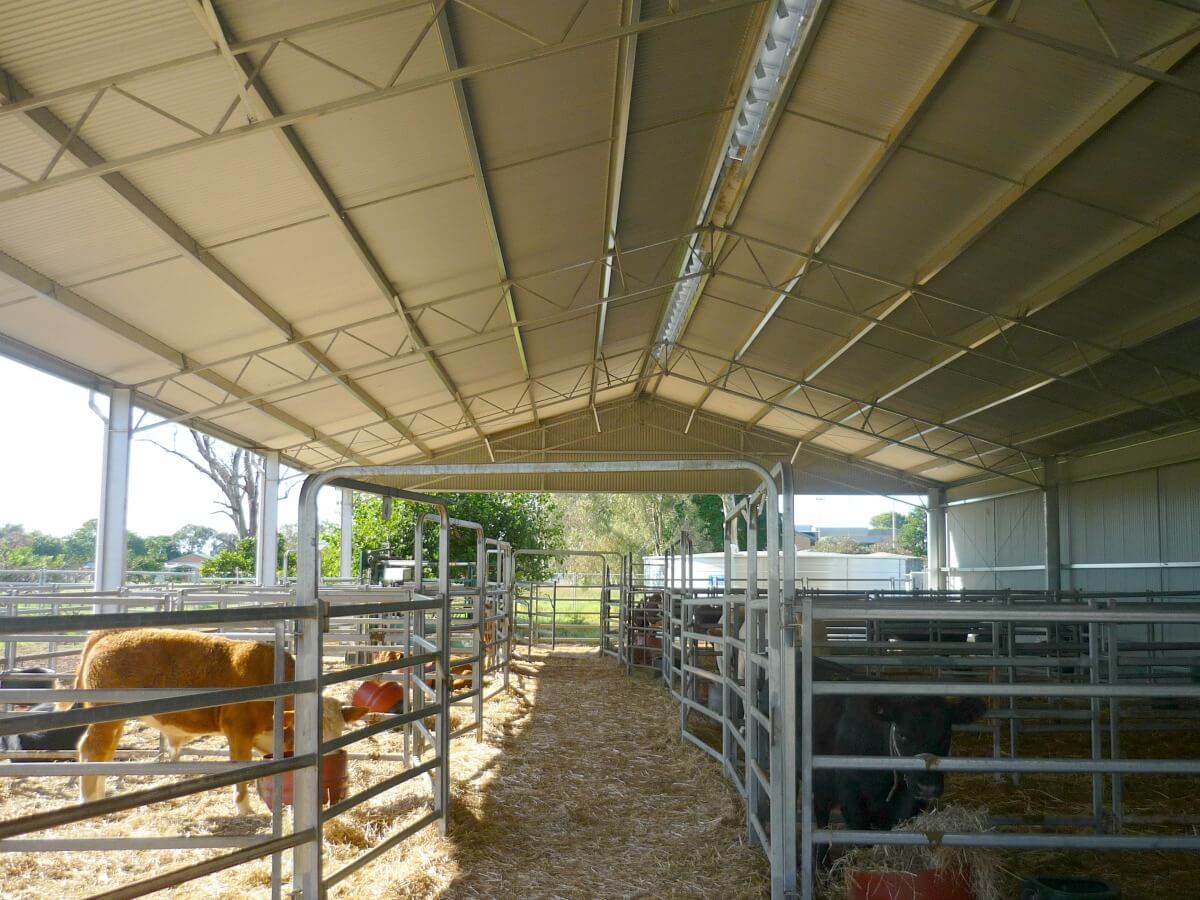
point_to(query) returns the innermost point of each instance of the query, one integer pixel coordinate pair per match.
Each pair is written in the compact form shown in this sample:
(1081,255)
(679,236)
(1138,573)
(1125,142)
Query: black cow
(58,739)
(885,726)
(46,683)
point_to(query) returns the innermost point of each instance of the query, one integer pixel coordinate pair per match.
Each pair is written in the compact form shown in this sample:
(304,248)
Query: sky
(50,463)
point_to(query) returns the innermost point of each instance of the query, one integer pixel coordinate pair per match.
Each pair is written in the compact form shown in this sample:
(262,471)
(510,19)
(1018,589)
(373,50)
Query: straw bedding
(581,788)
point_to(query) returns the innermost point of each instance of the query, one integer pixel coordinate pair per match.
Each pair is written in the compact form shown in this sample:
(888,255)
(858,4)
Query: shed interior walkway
(583,788)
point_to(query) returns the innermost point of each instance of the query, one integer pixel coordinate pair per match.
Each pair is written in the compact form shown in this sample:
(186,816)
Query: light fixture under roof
(761,92)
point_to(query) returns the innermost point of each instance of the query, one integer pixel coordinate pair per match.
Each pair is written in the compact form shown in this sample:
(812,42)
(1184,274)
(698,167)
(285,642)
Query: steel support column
(114,494)
(346,563)
(938,556)
(266,557)
(1050,500)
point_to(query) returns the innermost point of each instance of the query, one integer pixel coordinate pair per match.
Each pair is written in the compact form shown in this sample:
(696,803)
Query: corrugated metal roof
(51,44)
(1081,246)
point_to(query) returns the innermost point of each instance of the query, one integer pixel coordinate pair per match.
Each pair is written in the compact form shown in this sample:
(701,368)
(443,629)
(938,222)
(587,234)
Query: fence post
(306,811)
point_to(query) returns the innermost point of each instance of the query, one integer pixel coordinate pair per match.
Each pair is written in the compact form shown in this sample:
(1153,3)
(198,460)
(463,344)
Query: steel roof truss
(1115,61)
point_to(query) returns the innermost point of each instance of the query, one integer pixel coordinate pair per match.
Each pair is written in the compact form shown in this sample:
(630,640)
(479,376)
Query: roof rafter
(631,11)
(1109,60)
(51,128)
(485,195)
(260,102)
(861,183)
(369,97)
(981,224)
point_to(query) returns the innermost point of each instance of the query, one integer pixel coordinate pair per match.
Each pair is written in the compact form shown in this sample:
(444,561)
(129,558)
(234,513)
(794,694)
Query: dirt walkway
(594,795)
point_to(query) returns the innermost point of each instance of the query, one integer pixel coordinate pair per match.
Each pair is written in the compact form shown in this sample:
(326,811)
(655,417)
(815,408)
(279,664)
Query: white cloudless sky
(50,464)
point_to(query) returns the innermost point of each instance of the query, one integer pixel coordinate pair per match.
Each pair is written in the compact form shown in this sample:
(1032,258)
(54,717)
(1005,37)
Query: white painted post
(936,538)
(346,567)
(266,557)
(114,495)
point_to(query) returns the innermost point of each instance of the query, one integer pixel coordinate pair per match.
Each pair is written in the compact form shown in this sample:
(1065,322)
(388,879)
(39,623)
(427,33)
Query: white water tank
(816,569)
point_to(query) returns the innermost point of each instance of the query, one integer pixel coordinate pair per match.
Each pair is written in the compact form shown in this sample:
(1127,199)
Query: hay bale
(982,864)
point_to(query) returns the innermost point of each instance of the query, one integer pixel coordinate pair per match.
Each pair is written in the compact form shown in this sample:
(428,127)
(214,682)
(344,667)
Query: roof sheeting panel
(226,191)
(432,244)
(1010,102)
(796,201)
(551,212)
(52,327)
(869,61)
(1114,171)
(916,205)
(308,273)
(544,107)
(485,365)
(78,233)
(191,311)
(46,45)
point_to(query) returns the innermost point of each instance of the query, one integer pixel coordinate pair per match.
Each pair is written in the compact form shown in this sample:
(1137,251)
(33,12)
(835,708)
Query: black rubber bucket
(1045,887)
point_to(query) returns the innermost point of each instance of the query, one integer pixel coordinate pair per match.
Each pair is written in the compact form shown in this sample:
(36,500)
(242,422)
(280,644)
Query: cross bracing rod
(263,104)
(632,296)
(1078,369)
(978,444)
(384,365)
(954,248)
(431,306)
(1074,377)
(958,303)
(45,123)
(1064,285)
(485,195)
(238,48)
(872,168)
(368,97)
(1132,67)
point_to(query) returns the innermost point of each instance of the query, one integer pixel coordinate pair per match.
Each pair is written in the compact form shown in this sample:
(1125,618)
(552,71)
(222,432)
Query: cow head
(922,726)
(334,719)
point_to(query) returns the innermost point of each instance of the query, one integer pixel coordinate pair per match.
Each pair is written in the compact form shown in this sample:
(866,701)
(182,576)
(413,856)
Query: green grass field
(570,613)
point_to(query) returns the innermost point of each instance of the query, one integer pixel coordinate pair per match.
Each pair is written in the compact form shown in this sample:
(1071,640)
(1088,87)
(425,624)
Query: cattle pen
(776,253)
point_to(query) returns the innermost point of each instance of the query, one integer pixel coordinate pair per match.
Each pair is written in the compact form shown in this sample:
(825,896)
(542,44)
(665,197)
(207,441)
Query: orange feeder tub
(335,778)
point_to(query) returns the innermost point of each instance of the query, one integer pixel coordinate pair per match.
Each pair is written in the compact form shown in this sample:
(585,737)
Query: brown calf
(164,658)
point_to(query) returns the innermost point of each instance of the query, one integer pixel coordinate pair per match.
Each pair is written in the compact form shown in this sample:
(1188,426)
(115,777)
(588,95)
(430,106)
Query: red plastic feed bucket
(379,696)
(926,885)
(334,779)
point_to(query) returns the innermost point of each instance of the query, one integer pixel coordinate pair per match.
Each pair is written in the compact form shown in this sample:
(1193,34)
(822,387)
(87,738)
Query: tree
(912,536)
(642,524)
(525,520)
(708,529)
(79,547)
(194,539)
(229,563)
(884,521)
(236,474)
(840,545)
